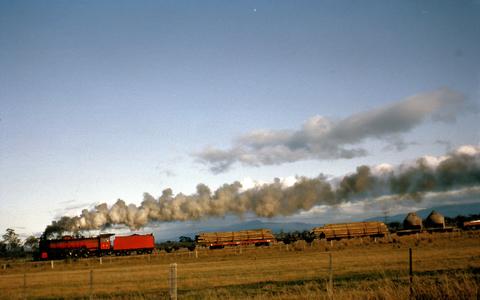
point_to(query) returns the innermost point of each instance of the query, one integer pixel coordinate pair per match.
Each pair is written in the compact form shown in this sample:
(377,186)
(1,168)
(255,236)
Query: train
(109,244)
(350,230)
(101,245)
(473,225)
(218,240)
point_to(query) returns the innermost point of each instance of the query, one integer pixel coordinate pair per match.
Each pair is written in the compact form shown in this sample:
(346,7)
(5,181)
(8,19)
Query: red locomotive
(100,245)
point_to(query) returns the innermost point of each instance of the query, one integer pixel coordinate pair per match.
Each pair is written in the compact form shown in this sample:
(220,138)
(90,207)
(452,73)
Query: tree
(185,239)
(31,243)
(308,236)
(3,249)
(11,240)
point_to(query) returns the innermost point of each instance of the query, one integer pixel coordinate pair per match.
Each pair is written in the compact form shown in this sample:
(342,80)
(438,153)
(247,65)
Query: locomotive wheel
(83,253)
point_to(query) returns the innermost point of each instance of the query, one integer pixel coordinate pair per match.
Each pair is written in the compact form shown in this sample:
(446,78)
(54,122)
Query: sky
(107,100)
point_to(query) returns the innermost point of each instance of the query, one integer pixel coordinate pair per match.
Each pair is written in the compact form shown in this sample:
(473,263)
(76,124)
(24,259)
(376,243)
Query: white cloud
(322,138)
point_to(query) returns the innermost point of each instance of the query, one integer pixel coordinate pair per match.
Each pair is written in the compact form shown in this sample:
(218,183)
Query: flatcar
(471,225)
(217,240)
(351,230)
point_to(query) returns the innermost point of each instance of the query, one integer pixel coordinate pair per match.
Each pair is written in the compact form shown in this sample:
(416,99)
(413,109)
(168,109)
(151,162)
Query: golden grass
(446,266)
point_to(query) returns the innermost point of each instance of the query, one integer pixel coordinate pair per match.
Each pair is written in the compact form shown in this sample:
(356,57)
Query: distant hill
(446,210)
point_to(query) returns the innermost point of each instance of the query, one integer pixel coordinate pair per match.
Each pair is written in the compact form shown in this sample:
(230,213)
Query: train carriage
(125,245)
(213,240)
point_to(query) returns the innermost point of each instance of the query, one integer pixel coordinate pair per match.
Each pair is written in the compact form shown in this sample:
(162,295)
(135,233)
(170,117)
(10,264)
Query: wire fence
(175,274)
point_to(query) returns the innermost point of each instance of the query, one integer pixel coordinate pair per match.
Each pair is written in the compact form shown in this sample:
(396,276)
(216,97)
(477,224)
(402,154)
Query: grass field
(446,266)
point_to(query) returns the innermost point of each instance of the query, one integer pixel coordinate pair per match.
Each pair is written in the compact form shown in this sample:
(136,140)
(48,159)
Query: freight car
(217,240)
(413,224)
(125,245)
(350,230)
(471,225)
(74,247)
(435,222)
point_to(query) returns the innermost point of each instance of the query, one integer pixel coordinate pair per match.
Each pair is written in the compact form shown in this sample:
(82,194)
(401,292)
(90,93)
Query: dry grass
(446,266)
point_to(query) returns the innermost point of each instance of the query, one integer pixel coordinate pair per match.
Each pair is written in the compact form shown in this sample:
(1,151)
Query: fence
(322,268)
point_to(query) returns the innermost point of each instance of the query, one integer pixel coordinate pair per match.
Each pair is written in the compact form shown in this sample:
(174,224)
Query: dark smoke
(460,168)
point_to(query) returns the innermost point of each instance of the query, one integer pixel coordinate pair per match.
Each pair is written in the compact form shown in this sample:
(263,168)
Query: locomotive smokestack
(458,169)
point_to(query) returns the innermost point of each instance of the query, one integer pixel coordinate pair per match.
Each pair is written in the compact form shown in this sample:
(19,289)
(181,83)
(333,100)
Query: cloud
(446,144)
(322,138)
(454,176)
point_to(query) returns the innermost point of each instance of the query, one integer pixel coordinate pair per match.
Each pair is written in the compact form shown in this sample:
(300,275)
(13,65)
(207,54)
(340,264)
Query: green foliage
(11,239)
(393,226)
(291,237)
(11,244)
(31,243)
(183,242)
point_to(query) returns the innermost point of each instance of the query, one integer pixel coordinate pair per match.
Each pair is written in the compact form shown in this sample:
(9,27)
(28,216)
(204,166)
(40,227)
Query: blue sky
(111,99)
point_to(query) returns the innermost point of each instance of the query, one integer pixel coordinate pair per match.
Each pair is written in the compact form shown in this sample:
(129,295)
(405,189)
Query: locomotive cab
(105,244)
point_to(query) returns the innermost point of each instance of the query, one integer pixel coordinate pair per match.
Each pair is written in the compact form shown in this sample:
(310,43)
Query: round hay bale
(435,220)
(412,221)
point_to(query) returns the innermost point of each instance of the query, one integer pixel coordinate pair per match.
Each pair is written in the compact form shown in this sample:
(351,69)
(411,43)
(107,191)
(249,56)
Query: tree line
(12,246)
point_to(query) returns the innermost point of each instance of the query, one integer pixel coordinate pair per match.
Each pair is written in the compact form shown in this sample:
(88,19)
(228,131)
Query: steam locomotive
(104,244)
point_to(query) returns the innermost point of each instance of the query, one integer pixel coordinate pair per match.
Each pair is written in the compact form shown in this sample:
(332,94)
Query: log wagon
(350,230)
(216,240)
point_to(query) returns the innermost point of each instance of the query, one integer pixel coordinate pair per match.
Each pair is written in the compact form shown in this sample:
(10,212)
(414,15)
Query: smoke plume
(458,169)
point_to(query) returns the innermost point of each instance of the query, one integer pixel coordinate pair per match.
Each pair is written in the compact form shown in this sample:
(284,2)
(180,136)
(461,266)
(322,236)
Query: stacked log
(351,230)
(475,224)
(208,238)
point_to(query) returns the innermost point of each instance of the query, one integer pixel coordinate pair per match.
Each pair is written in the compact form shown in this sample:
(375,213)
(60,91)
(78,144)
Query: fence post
(91,285)
(173,281)
(410,271)
(330,276)
(24,285)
